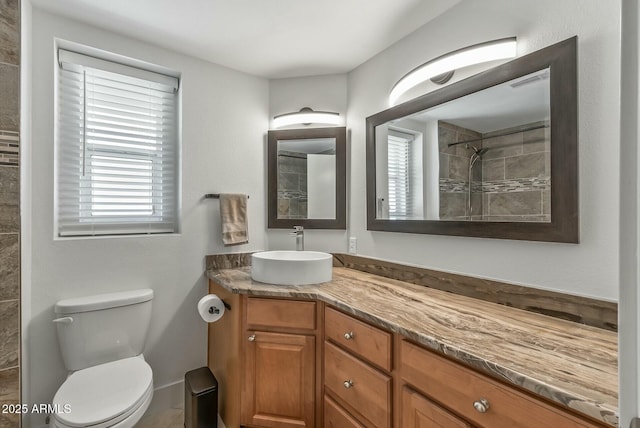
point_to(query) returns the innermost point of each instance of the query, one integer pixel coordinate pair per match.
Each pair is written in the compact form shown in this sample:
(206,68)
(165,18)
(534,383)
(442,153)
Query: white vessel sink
(291,267)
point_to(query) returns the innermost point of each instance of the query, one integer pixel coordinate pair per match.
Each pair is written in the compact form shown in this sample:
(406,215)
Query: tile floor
(170,418)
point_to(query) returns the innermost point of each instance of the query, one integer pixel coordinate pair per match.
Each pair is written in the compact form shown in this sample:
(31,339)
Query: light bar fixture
(306,116)
(441,69)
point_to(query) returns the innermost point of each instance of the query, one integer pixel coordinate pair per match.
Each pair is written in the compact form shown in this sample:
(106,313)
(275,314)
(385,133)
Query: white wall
(224,118)
(324,93)
(628,312)
(321,186)
(590,268)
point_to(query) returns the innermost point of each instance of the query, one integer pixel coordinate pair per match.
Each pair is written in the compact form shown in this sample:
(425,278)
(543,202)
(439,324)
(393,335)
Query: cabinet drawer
(274,313)
(420,412)
(336,417)
(360,338)
(459,388)
(362,387)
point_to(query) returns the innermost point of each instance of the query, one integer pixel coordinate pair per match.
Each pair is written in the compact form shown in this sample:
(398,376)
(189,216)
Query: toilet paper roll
(211,308)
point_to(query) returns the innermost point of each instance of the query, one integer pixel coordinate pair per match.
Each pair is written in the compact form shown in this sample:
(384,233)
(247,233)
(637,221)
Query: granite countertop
(573,364)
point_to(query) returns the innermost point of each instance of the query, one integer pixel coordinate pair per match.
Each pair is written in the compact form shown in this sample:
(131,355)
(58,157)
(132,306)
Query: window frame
(164,203)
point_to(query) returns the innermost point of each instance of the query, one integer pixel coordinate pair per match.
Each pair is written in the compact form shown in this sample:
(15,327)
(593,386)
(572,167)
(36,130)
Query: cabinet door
(419,412)
(279,380)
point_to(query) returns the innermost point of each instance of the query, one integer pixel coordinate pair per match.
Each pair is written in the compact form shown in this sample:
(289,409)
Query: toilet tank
(98,329)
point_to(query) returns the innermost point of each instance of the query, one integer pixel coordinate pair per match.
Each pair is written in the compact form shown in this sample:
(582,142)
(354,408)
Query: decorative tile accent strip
(450,185)
(292,194)
(517,185)
(9,148)
(596,313)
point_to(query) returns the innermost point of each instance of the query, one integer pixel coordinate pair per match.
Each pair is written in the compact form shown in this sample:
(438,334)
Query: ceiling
(269,38)
(309,145)
(517,102)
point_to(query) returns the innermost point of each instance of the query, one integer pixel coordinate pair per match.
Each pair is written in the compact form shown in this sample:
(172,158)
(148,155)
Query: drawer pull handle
(348,384)
(481,405)
(348,335)
(252,338)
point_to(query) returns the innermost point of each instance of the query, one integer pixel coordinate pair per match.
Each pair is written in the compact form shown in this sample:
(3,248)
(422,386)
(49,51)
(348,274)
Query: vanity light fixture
(306,116)
(441,69)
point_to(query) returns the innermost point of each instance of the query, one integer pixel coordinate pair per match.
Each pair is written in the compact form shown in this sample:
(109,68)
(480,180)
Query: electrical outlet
(353,245)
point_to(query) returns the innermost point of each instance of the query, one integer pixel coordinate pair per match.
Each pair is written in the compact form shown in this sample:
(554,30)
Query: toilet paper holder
(214,310)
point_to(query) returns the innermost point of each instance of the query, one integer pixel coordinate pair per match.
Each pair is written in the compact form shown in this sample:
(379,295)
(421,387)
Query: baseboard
(165,397)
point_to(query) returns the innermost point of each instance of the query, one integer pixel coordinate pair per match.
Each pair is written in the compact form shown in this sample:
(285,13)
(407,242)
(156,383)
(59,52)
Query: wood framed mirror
(494,155)
(307,178)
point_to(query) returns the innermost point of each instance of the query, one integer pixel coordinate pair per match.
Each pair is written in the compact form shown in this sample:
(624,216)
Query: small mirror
(494,155)
(307,183)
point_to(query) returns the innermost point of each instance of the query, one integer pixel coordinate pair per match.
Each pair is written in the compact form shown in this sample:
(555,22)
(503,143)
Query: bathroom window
(117,148)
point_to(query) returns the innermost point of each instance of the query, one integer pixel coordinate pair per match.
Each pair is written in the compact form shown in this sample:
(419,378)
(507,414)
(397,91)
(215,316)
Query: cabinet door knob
(252,338)
(481,405)
(348,335)
(348,384)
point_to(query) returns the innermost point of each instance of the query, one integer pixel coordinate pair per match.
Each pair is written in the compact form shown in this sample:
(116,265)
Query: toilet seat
(105,395)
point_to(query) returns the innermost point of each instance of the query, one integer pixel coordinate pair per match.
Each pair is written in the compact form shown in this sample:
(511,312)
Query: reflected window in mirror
(400,156)
(307,180)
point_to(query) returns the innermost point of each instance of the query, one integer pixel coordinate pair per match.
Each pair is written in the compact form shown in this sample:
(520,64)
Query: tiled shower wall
(292,185)
(516,174)
(511,182)
(9,209)
(454,172)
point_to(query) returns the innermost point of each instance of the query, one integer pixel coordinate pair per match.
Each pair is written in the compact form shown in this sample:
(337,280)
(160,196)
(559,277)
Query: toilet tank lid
(103,301)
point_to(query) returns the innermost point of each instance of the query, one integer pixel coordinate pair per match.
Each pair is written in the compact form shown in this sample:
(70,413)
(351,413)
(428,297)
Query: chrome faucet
(298,232)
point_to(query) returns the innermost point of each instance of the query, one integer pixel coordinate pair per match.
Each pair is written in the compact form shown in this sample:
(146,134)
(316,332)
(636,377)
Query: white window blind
(399,172)
(117,151)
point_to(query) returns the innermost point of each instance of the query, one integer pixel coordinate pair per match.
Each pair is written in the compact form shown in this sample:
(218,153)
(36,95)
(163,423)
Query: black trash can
(200,399)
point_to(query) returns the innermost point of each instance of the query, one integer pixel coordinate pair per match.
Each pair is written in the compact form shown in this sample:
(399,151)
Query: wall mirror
(307,178)
(494,155)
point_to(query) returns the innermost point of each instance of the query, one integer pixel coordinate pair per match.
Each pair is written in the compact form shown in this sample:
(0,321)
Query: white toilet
(102,338)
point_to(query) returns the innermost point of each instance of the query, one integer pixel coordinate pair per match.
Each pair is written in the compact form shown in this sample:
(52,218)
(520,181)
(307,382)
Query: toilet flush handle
(63,320)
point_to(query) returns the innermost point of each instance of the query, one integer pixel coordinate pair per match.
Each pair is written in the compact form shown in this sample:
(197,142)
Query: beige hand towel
(233,215)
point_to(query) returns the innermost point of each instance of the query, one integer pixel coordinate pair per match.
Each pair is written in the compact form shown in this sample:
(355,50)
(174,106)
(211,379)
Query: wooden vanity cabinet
(280,370)
(284,363)
(266,355)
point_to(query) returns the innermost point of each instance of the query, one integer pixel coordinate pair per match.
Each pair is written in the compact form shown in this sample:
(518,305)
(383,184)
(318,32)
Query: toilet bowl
(101,339)
(114,394)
